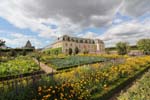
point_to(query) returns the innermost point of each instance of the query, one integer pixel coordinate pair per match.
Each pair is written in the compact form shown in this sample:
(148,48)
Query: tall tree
(122,48)
(144,45)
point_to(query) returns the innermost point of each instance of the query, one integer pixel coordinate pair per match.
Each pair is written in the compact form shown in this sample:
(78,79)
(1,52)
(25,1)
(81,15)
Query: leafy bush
(144,45)
(122,48)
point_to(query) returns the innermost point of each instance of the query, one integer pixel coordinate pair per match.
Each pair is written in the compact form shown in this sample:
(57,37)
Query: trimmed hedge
(54,51)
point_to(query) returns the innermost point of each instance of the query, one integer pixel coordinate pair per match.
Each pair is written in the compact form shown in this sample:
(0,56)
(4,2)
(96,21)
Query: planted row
(91,82)
(19,65)
(71,61)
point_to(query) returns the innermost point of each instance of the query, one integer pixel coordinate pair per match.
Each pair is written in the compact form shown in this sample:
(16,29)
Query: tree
(2,43)
(70,51)
(122,48)
(56,52)
(144,45)
(76,50)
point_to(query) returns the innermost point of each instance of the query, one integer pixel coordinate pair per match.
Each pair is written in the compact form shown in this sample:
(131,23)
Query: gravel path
(45,67)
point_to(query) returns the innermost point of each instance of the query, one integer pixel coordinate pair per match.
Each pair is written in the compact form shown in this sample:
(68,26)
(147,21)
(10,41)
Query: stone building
(29,45)
(83,44)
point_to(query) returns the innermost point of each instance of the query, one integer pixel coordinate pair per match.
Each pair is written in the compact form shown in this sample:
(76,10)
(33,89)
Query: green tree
(122,48)
(70,51)
(56,52)
(144,45)
(2,43)
(76,50)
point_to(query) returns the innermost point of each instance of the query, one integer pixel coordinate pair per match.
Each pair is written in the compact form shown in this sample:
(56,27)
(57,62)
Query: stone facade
(83,44)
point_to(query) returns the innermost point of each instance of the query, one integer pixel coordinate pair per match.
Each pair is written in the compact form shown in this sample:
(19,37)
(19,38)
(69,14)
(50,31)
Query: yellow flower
(53,91)
(39,88)
(61,94)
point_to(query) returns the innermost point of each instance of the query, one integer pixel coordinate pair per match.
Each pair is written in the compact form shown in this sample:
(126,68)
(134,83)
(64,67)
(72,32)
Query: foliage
(144,45)
(2,43)
(86,52)
(76,50)
(18,66)
(81,83)
(122,48)
(54,51)
(13,53)
(24,52)
(70,51)
(88,80)
(71,61)
(139,91)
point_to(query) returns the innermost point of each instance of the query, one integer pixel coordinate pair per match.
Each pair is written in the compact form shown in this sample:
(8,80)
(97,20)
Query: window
(66,44)
(68,39)
(85,41)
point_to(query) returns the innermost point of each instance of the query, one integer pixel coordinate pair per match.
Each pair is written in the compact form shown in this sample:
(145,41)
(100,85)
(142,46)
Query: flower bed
(92,82)
(89,82)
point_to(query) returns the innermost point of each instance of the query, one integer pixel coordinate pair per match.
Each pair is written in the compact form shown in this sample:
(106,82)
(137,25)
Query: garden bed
(119,85)
(83,83)
(17,66)
(72,61)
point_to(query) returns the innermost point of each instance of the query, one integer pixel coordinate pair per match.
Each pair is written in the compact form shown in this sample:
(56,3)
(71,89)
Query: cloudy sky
(42,21)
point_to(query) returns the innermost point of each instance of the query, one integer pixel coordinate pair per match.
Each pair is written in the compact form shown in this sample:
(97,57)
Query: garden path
(46,68)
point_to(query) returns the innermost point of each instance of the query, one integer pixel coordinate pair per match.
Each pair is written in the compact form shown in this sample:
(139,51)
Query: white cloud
(70,15)
(135,8)
(19,40)
(130,32)
(90,35)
